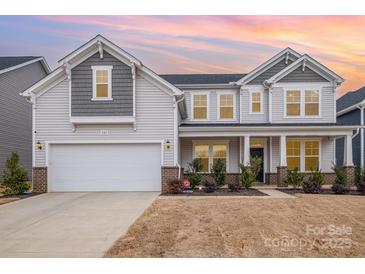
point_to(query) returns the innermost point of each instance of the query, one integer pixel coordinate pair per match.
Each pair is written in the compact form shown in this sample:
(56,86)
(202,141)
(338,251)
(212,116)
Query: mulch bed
(221,192)
(4,199)
(323,191)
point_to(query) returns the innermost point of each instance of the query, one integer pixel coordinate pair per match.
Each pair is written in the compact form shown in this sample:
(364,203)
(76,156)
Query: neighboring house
(17,74)
(350,111)
(106,122)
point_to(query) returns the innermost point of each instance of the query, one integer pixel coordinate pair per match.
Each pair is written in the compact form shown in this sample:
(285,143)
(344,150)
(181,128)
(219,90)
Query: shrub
(209,186)
(255,164)
(14,176)
(234,186)
(317,177)
(218,172)
(358,174)
(294,178)
(361,187)
(339,186)
(314,183)
(247,177)
(174,187)
(194,175)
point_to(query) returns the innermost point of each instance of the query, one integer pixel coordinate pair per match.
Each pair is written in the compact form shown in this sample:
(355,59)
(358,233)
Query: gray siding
(16,114)
(82,85)
(350,118)
(327,110)
(298,75)
(186,151)
(269,72)
(213,105)
(247,117)
(154,120)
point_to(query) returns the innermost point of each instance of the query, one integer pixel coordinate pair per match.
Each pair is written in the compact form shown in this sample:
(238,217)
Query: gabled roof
(9,63)
(98,43)
(304,61)
(201,79)
(287,52)
(350,101)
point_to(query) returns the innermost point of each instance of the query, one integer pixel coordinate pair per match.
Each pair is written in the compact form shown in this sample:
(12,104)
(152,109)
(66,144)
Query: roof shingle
(351,98)
(11,61)
(199,79)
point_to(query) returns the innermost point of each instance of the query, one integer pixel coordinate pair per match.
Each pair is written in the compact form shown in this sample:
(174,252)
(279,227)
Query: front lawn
(309,226)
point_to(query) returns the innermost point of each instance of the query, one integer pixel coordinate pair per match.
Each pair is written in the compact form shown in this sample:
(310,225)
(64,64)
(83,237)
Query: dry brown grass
(239,227)
(4,200)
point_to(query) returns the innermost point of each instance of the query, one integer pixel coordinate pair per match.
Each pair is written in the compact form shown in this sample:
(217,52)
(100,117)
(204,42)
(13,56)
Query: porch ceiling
(208,130)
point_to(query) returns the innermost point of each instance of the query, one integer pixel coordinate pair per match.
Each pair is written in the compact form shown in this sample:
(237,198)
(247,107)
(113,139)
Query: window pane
(226,112)
(311,155)
(202,152)
(102,76)
(293,154)
(226,100)
(256,97)
(311,102)
(102,90)
(200,107)
(293,102)
(200,113)
(312,109)
(256,107)
(293,109)
(220,152)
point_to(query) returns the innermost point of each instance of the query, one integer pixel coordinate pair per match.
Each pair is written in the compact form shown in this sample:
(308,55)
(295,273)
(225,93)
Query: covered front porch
(280,147)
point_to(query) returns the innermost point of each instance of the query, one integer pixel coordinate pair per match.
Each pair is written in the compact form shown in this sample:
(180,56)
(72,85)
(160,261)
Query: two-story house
(18,73)
(106,122)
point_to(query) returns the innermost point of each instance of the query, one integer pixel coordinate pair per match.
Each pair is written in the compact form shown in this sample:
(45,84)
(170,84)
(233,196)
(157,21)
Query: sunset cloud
(198,44)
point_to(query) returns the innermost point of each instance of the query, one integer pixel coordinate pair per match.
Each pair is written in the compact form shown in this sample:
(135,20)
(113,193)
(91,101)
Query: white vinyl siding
(154,120)
(246,116)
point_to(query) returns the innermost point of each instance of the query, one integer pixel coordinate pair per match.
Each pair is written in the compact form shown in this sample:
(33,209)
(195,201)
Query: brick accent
(271,178)
(230,178)
(39,180)
(168,173)
(350,174)
(281,176)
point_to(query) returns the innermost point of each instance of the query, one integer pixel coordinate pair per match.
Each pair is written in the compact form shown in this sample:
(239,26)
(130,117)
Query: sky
(198,44)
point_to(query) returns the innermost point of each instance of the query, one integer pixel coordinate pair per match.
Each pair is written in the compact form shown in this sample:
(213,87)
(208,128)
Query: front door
(259,152)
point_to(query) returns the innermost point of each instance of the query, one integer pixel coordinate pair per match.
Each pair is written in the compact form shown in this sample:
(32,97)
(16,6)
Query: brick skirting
(230,178)
(168,173)
(281,175)
(271,178)
(350,175)
(39,179)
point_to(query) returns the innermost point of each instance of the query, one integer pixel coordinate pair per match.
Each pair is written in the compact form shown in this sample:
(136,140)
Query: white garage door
(104,167)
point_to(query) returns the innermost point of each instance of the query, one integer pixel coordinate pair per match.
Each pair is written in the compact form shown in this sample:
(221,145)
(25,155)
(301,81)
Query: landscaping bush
(255,164)
(339,186)
(194,174)
(174,187)
(209,185)
(314,183)
(234,186)
(247,177)
(361,187)
(294,178)
(218,172)
(14,176)
(360,179)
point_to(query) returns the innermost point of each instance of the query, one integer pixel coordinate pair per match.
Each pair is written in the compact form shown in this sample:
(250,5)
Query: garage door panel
(105,167)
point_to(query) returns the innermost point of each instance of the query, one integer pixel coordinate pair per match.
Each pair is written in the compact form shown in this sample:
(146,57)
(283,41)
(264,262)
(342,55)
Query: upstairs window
(311,102)
(226,106)
(102,89)
(256,98)
(293,103)
(200,106)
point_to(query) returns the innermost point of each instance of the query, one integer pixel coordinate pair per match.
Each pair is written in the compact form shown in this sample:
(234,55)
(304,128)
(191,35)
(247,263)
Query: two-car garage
(104,167)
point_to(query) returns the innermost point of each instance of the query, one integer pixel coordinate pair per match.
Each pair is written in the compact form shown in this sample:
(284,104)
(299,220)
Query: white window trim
(261,101)
(192,94)
(302,152)
(302,102)
(210,143)
(109,69)
(219,93)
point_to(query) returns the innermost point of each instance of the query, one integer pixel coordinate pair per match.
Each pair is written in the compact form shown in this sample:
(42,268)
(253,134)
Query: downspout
(176,105)
(268,85)
(362,136)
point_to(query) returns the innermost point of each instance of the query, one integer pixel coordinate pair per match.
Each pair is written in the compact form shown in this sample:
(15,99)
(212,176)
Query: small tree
(247,176)
(194,174)
(294,178)
(219,172)
(14,176)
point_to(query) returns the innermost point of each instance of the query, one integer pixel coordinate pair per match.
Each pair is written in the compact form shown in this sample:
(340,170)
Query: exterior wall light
(38,146)
(167,144)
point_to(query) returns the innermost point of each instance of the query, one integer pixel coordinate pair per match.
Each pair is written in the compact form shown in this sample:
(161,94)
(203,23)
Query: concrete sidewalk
(69,224)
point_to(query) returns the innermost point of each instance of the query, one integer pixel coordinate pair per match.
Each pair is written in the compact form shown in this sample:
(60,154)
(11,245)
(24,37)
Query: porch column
(282,168)
(348,151)
(246,151)
(282,150)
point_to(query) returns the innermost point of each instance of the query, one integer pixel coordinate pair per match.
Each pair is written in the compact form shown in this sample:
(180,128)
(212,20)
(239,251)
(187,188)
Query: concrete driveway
(68,224)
